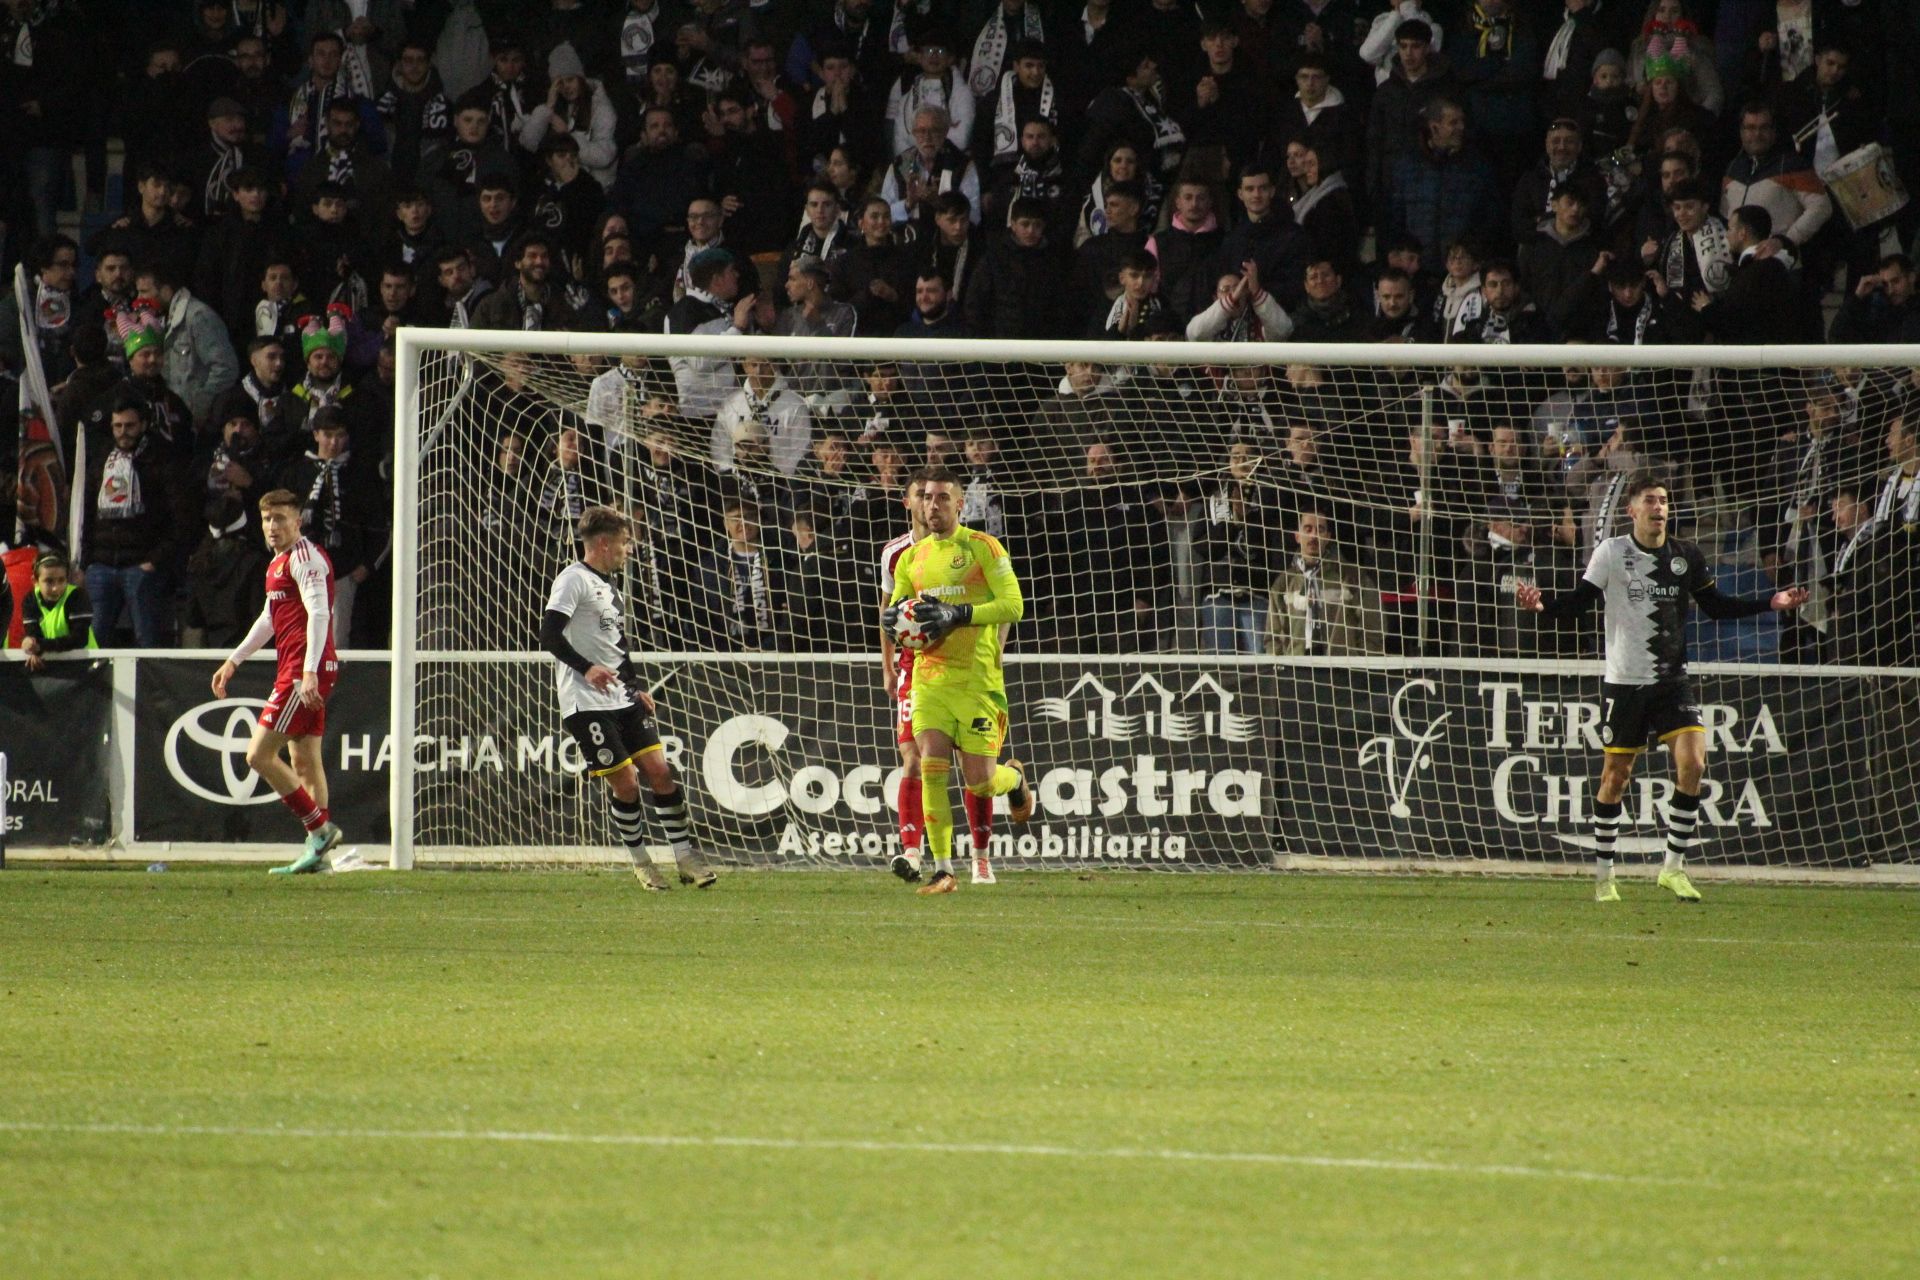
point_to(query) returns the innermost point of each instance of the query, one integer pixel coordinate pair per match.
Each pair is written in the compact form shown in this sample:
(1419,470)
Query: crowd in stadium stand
(297,180)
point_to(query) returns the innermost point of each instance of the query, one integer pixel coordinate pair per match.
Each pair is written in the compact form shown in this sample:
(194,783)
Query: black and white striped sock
(627,825)
(1606,831)
(671,813)
(1683,817)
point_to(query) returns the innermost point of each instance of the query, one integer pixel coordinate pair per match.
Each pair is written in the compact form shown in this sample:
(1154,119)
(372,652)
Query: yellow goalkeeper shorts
(976,721)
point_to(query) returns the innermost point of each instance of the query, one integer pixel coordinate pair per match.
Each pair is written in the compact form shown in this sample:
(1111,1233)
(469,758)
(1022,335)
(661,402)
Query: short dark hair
(250,178)
(131,404)
(1899,260)
(596,521)
(330,418)
(1641,481)
(494,182)
(1254,169)
(162,271)
(1503,265)
(704,269)
(326,37)
(1027,207)
(952,202)
(1394,274)
(1690,189)
(1756,219)
(1139,260)
(931,272)
(1413,29)
(932,475)
(528,240)
(50,560)
(448,254)
(41,256)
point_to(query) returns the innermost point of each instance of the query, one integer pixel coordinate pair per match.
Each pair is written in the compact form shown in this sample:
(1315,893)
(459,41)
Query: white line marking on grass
(1364,1164)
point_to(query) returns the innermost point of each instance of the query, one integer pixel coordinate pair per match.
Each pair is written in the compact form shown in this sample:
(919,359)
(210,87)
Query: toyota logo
(228,743)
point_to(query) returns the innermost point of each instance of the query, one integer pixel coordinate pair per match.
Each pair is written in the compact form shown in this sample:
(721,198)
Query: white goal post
(1270,591)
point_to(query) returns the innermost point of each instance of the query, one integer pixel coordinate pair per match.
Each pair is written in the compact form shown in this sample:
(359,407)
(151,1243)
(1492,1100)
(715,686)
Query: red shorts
(286,714)
(903,706)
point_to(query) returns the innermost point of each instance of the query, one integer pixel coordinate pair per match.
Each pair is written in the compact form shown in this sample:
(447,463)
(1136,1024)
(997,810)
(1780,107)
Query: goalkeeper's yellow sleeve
(1008,604)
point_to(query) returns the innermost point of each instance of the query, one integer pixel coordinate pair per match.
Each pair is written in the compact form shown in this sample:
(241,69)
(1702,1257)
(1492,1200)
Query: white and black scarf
(1169,140)
(1304,203)
(1712,255)
(990,46)
(898,38)
(636,45)
(1094,211)
(266,400)
(1006,113)
(356,65)
(325,498)
(752,601)
(319,395)
(1642,317)
(1151,307)
(120,497)
(226,162)
(307,112)
(1560,48)
(918,92)
(340,167)
(823,249)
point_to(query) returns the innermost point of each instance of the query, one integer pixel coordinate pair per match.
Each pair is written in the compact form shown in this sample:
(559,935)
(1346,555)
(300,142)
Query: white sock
(1673,861)
(943,866)
(1603,869)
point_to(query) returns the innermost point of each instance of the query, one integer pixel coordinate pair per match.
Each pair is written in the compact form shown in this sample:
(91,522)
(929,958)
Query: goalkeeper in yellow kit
(966,592)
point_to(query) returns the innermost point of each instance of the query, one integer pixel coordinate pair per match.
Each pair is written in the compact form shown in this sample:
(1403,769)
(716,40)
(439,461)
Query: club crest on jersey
(959,560)
(605,757)
(1677,565)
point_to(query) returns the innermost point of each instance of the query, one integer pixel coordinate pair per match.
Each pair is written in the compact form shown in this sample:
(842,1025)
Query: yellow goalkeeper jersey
(965,568)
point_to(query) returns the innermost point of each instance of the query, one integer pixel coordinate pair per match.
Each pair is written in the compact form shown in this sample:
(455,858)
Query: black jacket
(155,533)
(1016,293)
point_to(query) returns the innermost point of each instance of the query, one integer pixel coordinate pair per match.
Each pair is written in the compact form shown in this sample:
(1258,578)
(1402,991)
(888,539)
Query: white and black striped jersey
(1647,592)
(596,614)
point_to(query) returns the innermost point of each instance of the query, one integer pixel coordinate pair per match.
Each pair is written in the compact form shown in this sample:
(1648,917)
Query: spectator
(1241,311)
(531,299)
(1321,605)
(57,615)
(955,248)
(1559,254)
(749,596)
(765,414)
(326,249)
(1380,46)
(1323,206)
(299,128)
(933,84)
(659,178)
(1671,43)
(983,503)
(811,313)
(704,231)
(841,115)
(415,114)
(131,526)
(1439,190)
(261,396)
(474,155)
(1036,173)
(239,464)
(814,573)
(415,235)
(52,266)
(1015,96)
(1874,571)
(226,577)
(1523,519)
(1136,314)
(1607,113)
(824,234)
(153,232)
(1396,315)
(875,275)
(159,115)
(576,107)
(1096,263)
(1653,203)
(1562,165)
(1566,66)
(1880,307)
(1613,303)
(461,287)
(714,304)
(323,348)
(1696,257)
(1121,167)
(1759,302)
(1397,123)
(1112,545)
(1776,178)
(1500,70)
(1501,315)
(1233,535)
(567,204)
(396,303)
(932,167)
(1328,313)
(199,363)
(1230,108)
(1134,112)
(236,250)
(1018,289)
(1319,115)
(934,314)
(511,92)
(1666,109)
(498,225)
(1267,237)
(223,153)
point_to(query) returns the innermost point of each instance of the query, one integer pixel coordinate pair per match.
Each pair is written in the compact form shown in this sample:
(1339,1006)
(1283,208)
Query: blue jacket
(1434,198)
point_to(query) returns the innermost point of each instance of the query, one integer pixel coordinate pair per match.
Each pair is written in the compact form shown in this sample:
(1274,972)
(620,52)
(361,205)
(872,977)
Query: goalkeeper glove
(939,618)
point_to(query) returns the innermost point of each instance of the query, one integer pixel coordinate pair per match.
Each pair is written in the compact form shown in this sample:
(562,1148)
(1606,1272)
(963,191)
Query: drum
(1865,186)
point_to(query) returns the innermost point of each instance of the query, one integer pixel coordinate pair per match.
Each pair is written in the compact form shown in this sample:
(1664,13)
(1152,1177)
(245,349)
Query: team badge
(959,560)
(1606,733)
(1677,566)
(606,757)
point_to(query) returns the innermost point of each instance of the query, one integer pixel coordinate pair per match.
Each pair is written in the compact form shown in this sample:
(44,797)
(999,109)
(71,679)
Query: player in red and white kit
(897,665)
(298,618)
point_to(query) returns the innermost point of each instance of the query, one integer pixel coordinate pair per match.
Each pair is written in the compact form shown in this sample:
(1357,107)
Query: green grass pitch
(822,1075)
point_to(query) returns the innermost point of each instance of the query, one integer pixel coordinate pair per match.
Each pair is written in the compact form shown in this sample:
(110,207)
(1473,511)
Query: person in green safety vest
(57,616)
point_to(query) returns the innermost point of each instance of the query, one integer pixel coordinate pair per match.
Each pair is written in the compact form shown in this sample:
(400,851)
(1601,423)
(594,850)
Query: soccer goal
(1271,616)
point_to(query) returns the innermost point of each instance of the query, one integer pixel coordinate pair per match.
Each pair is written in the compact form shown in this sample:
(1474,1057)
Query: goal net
(1270,592)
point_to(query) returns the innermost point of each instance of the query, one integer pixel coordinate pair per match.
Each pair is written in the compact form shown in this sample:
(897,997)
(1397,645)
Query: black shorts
(1632,715)
(608,740)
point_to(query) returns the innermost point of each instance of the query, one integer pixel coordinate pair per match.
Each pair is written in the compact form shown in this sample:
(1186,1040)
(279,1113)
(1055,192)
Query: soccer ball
(909,631)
